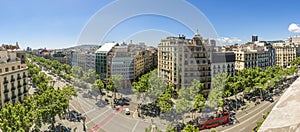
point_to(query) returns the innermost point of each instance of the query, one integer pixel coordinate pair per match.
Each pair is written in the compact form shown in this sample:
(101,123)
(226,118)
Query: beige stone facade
(254,55)
(13,76)
(182,60)
(285,54)
(144,61)
(245,59)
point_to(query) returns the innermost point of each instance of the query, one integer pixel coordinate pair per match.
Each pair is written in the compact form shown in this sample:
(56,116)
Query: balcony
(6,90)
(19,85)
(13,96)
(12,80)
(25,83)
(24,76)
(19,77)
(13,88)
(5,81)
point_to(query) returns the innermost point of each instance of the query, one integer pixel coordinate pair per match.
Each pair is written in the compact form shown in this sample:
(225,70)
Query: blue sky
(58,23)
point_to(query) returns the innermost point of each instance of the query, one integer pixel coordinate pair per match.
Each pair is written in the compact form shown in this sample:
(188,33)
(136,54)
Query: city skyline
(58,24)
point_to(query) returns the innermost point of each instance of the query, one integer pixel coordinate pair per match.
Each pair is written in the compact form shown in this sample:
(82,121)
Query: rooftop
(285,114)
(106,47)
(222,57)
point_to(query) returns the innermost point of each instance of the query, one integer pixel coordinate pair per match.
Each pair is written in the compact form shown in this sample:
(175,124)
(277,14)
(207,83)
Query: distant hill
(83,47)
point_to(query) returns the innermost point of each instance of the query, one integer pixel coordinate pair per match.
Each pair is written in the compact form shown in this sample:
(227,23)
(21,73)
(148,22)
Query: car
(127,111)
(230,122)
(270,99)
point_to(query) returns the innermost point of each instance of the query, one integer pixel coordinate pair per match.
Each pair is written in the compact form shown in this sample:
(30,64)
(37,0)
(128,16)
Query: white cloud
(228,40)
(294,28)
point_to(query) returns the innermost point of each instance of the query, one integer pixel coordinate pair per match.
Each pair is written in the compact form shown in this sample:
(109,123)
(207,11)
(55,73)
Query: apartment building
(13,76)
(73,58)
(59,56)
(127,60)
(295,40)
(251,55)
(285,53)
(182,60)
(245,59)
(144,61)
(223,62)
(84,58)
(90,60)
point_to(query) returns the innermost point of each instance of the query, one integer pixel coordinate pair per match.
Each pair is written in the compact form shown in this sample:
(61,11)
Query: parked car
(270,99)
(127,111)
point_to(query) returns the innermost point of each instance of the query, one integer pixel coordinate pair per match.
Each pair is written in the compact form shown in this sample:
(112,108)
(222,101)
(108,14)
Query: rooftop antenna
(197,32)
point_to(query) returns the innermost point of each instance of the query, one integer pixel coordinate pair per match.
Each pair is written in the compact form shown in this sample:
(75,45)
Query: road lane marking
(97,116)
(242,130)
(253,111)
(90,111)
(103,122)
(135,125)
(73,107)
(85,102)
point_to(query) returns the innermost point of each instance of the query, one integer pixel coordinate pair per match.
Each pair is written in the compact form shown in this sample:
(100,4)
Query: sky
(60,23)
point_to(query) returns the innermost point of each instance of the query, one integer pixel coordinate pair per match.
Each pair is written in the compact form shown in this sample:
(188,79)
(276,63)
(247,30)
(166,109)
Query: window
(13,68)
(6,69)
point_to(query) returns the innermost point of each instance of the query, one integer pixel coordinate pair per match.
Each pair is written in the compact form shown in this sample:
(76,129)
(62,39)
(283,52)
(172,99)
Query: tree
(118,81)
(165,103)
(98,86)
(199,103)
(141,87)
(187,98)
(77,71)
(183,105)
(191,92)
(215,97)
(111,86)
(190,128)
(90,76)
(15,118)
(170,128)
(157,86)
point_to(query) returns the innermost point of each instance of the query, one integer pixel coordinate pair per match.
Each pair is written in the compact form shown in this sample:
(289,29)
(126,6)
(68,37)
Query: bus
(217,121)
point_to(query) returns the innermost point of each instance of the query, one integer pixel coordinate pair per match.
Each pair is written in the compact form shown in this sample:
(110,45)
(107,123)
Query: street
(104,118)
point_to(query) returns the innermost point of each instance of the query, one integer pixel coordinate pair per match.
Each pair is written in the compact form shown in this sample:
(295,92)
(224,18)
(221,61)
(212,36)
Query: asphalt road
(246,120)
(104,118)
